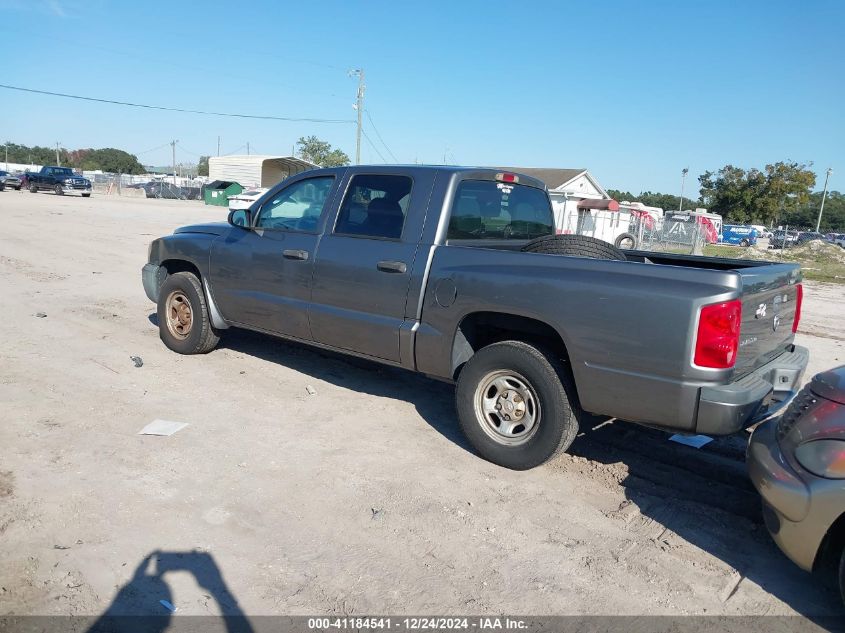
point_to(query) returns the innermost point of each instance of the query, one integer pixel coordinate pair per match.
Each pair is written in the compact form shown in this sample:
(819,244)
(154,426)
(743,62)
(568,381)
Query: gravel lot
(360,498)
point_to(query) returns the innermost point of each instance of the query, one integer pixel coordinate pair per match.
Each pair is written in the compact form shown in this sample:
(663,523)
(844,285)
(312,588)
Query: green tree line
(779,194)
(107,159)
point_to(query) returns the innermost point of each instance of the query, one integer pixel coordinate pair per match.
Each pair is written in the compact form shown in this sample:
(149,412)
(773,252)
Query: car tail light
(505,177)
(799,299)
(717,339)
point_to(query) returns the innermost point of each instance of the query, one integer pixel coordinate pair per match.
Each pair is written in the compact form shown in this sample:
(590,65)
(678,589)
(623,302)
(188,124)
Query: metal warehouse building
(255,170)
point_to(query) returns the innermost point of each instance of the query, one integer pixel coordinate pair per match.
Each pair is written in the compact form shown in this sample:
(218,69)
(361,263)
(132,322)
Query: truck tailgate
(769,301)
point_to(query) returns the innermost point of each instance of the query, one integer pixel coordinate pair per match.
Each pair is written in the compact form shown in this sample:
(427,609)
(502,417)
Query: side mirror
(240,218)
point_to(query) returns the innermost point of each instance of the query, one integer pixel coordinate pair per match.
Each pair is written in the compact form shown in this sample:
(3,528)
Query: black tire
(556,426)
(59,191)
(842,575)
(2,187)
(626,237)
(744,243)
(86,195)
(574,245)
(33,189)
(18,188)
(200,337)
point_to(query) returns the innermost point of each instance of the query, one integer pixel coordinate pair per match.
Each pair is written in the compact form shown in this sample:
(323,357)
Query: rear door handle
(295,254)
(392,267)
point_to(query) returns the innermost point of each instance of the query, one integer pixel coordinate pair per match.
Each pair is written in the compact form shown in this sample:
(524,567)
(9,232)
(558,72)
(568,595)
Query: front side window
(487,210)
(297,207)
(375,205)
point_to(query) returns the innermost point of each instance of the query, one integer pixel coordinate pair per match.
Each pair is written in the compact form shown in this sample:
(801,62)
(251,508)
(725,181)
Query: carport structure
(256,170)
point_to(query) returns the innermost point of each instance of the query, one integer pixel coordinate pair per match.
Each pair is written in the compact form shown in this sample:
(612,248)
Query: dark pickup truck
(61,180)
(456,273)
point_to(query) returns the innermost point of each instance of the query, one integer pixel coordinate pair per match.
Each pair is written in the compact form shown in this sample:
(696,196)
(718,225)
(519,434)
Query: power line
(366,136)
(380,138)
(183,110)
(147,151)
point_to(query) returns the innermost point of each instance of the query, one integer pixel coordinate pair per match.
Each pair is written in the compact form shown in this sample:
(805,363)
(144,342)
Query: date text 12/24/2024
(416,623)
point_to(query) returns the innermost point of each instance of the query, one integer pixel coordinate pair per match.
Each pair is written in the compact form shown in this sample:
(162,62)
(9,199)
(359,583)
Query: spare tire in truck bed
(574,245)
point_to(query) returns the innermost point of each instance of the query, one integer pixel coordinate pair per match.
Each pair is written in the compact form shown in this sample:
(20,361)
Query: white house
(580,204)
(255,170)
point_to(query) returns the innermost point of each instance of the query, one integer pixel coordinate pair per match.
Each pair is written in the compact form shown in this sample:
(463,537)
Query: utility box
(217,192)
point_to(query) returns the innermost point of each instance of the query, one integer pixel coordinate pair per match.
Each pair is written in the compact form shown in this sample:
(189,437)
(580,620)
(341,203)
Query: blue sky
(634,91)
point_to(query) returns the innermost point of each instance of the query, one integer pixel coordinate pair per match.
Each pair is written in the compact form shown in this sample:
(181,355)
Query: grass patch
(819,260)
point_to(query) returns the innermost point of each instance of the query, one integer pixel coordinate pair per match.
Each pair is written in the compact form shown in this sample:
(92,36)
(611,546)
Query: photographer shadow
(144,603)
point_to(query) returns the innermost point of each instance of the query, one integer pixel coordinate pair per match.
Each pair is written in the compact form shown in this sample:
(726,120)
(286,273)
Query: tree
(756,196)
(665,201)
(202,167)
(320,152)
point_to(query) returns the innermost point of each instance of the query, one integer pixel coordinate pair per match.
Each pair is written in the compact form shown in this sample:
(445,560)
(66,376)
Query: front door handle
(392,267)
(295,254)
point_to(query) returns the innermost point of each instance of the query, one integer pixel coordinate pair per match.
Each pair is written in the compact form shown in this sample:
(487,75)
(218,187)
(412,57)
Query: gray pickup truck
(456,273)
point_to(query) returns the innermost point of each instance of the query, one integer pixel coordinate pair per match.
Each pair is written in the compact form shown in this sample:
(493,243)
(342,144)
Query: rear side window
(487,210)
(375,205)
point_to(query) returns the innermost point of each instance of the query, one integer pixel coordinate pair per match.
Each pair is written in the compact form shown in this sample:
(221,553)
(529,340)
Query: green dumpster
(217,192)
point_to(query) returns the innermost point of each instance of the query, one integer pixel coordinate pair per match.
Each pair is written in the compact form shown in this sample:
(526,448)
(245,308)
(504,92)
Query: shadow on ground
(144,603)
(704,496)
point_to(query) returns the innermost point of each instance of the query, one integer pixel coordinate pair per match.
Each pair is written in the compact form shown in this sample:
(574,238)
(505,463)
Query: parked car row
(789,238)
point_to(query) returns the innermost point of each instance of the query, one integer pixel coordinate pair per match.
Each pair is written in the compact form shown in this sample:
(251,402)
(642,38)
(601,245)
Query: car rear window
(487,210)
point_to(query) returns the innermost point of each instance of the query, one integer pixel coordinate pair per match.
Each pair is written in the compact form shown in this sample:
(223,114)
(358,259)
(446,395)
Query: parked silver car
(797,463)
(10,181)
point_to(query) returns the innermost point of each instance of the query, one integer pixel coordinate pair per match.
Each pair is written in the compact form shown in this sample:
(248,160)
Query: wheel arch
(175,265)
(479,329)
(831,546)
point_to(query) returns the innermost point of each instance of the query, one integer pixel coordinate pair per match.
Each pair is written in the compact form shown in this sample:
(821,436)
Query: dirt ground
(360,498)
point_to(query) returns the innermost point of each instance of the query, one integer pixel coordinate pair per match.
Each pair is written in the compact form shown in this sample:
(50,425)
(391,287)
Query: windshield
(484,209)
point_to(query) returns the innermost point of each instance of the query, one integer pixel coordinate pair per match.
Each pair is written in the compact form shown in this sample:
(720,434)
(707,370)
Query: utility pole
(173,145)
(684,173)
(824,195)
(247,148)
(7,155)
(218,145)
(58,160)
(359,106)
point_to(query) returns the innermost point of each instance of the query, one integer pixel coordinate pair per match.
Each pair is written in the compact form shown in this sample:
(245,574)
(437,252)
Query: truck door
(261,276)
(364,262)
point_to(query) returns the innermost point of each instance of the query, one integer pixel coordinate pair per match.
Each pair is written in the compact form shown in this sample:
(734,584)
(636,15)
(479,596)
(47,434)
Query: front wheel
(59,191)
(184,324)
(18,188)
(512,406)
(86,195)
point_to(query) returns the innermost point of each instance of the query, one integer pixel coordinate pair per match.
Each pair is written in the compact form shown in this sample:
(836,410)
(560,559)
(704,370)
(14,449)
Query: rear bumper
(729,408)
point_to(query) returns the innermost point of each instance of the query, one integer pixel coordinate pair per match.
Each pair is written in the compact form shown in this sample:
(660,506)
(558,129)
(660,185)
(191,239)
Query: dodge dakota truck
(61,180)
(456,273)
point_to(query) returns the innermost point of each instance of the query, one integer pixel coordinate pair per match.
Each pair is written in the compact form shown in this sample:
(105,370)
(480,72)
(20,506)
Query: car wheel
(626,241)
(745,243)
(86,195)
(574,245)
(18,188)
(58,189)
(2,187)
(33,189)
(183,321)
(512,405)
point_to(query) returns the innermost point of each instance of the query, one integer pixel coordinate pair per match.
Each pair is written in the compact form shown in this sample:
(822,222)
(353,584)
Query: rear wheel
(574,245)
(58,189)
(183,321)
(745,243)
(86,195)
(512,406)
(33,188)
(842,575)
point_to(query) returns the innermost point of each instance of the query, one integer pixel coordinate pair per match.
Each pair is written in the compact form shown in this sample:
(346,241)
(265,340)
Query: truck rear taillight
(717,339)
(799,299)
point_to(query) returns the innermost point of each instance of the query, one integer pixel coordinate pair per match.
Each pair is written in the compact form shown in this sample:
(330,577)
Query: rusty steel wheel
(180,315)
(184,324)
